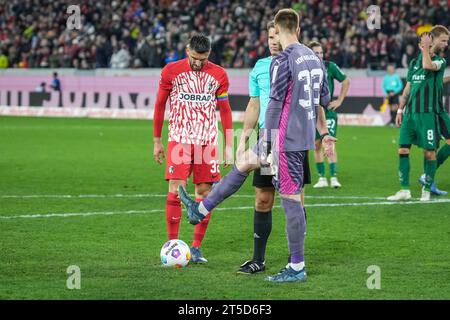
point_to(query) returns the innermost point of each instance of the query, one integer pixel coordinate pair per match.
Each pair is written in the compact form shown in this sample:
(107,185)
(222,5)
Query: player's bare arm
(321,124)
(251,117)
(158,117)
(446,80)
(158,151)
(227,127)
(401,107)
(342,94)
(327,140)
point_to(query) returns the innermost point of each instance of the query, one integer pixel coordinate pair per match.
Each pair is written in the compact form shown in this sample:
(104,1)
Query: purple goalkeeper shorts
(289,167)
(289,171)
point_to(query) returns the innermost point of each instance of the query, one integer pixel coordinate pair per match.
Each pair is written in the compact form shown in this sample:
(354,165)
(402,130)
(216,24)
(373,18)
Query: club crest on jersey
(194,97)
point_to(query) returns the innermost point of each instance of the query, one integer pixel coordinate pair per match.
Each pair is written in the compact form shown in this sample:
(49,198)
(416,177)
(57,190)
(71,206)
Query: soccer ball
(175,253)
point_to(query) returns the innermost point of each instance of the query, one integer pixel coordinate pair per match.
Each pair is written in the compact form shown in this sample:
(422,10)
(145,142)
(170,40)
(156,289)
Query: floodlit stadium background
(79,190)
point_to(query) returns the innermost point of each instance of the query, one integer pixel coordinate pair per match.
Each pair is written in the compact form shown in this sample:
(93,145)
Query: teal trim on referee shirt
(392,83)
(259,86)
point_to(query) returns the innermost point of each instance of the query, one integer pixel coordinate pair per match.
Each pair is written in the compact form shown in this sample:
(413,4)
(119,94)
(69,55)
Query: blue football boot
(197,256)
(194,215)
(288,275)
(434,189)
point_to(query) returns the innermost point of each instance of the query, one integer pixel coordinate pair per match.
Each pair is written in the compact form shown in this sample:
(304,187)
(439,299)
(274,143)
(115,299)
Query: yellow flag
(384,105)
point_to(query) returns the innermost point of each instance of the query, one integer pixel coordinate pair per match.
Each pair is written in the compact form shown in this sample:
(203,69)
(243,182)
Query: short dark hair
(270,25)
(287,19)
(200,43)
(314,44)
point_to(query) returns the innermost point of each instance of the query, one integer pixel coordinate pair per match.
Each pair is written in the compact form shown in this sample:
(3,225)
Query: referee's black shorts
(394,100)
(264,181)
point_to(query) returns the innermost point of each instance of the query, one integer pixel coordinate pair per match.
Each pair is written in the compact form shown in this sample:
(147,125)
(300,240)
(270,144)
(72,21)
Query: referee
(392,86)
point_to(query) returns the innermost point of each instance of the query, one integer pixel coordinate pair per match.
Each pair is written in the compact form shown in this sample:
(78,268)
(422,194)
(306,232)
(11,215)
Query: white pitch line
(147,195)
(51,215)
(78,196)
(385,203)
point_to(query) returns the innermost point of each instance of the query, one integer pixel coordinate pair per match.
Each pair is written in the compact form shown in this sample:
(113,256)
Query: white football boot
(426,195)
(322,183)
(334,183)
(400,195)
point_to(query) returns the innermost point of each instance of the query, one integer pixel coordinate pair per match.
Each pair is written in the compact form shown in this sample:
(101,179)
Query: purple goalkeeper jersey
(298,87)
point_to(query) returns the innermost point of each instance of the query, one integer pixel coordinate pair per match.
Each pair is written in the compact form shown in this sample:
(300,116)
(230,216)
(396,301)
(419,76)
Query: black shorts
(264,181)
(394,99)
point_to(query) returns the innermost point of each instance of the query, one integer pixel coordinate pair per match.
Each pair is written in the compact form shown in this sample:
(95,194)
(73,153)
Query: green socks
(442,155)
(333,169)
(320,169)
(430,171)
(403,171)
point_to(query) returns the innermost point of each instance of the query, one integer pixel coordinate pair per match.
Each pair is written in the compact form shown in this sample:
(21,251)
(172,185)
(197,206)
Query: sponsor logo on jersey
(171,169)
(194,97)
(418,77)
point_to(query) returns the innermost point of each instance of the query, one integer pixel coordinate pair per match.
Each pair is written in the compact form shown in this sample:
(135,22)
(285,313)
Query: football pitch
(87,193)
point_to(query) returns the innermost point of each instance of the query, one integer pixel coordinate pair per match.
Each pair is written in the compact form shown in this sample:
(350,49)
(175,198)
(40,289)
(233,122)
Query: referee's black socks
(262,226)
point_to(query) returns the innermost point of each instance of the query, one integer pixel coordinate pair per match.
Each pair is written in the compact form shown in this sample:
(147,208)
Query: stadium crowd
(151,33)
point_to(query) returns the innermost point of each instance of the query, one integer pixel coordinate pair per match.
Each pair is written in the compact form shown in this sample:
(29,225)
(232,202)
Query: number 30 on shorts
(215,168)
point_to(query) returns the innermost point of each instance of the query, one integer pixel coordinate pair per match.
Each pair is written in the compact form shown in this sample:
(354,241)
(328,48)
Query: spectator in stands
(85,65)
(24,61)
(4,63)
(120,58)
(55,59)
(395,51)
(172,56)
(102,52)
(147,53)
(408,55)
(34,33)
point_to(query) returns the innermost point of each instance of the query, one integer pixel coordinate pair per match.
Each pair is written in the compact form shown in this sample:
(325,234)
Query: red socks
(200,229)
(173,215)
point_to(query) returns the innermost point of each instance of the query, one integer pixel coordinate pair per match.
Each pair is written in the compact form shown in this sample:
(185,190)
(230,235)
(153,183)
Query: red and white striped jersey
(193,101)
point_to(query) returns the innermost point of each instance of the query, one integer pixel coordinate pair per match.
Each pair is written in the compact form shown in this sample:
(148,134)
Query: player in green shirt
(441,37)
(421,102)
(333,73)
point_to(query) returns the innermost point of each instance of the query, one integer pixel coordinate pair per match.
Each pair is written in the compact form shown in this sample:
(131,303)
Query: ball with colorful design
(175,253)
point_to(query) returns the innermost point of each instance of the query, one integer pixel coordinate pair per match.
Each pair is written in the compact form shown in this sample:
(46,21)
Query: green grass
(118,254)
